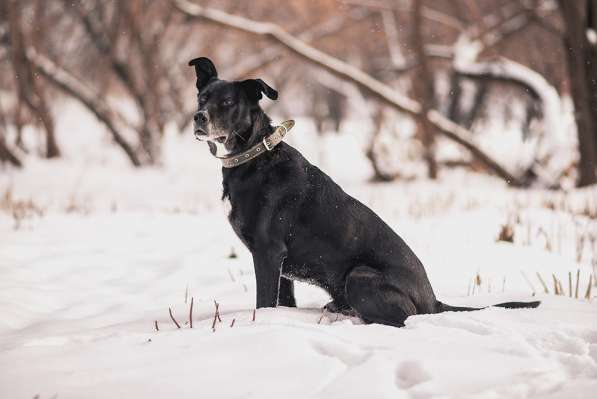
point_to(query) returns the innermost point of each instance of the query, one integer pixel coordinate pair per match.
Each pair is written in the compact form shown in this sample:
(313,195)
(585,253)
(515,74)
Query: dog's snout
(201,117)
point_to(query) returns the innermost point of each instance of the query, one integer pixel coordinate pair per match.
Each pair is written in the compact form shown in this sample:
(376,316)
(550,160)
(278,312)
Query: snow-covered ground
(93,254)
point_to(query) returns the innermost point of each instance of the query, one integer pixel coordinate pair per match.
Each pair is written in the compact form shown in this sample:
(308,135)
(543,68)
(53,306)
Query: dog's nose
(201,116)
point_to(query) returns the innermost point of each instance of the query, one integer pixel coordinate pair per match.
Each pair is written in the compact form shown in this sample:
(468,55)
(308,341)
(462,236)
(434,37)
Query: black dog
(299,224)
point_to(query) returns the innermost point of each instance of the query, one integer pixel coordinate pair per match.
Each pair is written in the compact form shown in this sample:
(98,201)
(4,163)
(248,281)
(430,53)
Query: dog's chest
(243,215)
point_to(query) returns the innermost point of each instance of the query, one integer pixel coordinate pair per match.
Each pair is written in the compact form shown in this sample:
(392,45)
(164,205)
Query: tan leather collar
(267,144)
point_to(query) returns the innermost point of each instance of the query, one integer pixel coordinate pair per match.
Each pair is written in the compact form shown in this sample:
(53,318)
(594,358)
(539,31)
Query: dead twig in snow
(577,280)
(191,314)
(172,317)
(588,294)
(322,314)
(254,311)
(556,285)
(528,282)
(155,324)
(232,323)
(216,316)
(543,283)
(217,305)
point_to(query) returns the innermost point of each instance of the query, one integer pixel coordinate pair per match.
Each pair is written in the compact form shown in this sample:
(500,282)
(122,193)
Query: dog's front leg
(268,265)
(286,293)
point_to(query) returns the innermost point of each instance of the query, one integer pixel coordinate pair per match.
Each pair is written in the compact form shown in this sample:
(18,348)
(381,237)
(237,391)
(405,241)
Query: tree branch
(261,60)
(375,88)
(64,81)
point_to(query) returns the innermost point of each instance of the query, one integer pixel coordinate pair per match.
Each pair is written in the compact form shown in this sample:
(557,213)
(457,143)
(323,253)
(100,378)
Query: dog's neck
(238,142)
(260,128)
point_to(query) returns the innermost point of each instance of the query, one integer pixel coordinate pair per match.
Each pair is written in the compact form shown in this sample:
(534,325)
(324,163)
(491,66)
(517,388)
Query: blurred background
(409,89)
(469,126)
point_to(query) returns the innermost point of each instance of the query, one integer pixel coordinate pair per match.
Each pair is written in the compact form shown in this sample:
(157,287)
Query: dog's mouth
(202,135)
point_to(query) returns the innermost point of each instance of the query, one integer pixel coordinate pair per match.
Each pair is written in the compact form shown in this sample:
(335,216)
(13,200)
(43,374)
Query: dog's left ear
(205,71)
(254,87)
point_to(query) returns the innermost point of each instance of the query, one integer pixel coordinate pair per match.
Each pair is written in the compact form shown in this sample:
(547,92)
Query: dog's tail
(508,305)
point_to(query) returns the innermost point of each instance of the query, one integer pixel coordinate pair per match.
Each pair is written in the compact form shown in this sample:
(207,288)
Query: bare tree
(105,53)
(350,73)
(91,100)
(29,89)
(423,89)
(582,84)
(6,154)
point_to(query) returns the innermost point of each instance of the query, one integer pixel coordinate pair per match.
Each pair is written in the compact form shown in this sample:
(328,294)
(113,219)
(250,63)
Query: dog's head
(227,110)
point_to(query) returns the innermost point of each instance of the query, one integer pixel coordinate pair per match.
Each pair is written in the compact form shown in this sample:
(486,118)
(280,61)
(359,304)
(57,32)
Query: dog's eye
(202,101)
(228,102)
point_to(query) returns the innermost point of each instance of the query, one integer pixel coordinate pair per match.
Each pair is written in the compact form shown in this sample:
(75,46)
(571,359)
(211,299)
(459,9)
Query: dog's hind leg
(376,299)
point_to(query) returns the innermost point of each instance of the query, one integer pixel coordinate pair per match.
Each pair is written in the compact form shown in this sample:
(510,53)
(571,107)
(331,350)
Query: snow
(82,284)
(557,119)
(592,36)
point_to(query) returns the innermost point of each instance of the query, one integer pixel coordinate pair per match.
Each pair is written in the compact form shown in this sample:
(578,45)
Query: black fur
(300,225)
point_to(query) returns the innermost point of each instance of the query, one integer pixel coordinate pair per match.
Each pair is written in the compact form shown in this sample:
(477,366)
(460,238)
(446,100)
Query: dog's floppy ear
(254,87)
(205,70)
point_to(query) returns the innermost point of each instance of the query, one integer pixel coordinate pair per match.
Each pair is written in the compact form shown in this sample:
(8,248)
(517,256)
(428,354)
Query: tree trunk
(6,155)
(90,99)
(577,49)
(592,64)
(28,88)
(423,91)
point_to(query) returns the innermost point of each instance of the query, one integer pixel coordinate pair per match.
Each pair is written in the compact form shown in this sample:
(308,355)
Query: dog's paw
(346,310)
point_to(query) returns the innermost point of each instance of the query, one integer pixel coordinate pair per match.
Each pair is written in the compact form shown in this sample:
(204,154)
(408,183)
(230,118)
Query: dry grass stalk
(231,276)
(528,282)
(580,245)
(191,314)
(543,283)
(588,294)
(577,281)
(322,314)
(570,284)
(543,233)
(217,305)
(232,323)
(213,324)
(172,317)
(556,287)
(254,311)
(506,233)
(155,324)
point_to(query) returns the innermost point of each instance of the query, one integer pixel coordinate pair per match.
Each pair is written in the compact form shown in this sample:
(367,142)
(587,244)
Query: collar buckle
(268,145)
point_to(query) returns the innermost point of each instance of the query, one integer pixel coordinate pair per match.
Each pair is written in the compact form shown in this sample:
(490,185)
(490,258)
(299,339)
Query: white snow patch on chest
(227,205)
(221,150)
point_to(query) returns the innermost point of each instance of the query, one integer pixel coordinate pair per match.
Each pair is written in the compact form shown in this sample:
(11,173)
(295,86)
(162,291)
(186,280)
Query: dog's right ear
(205,71)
